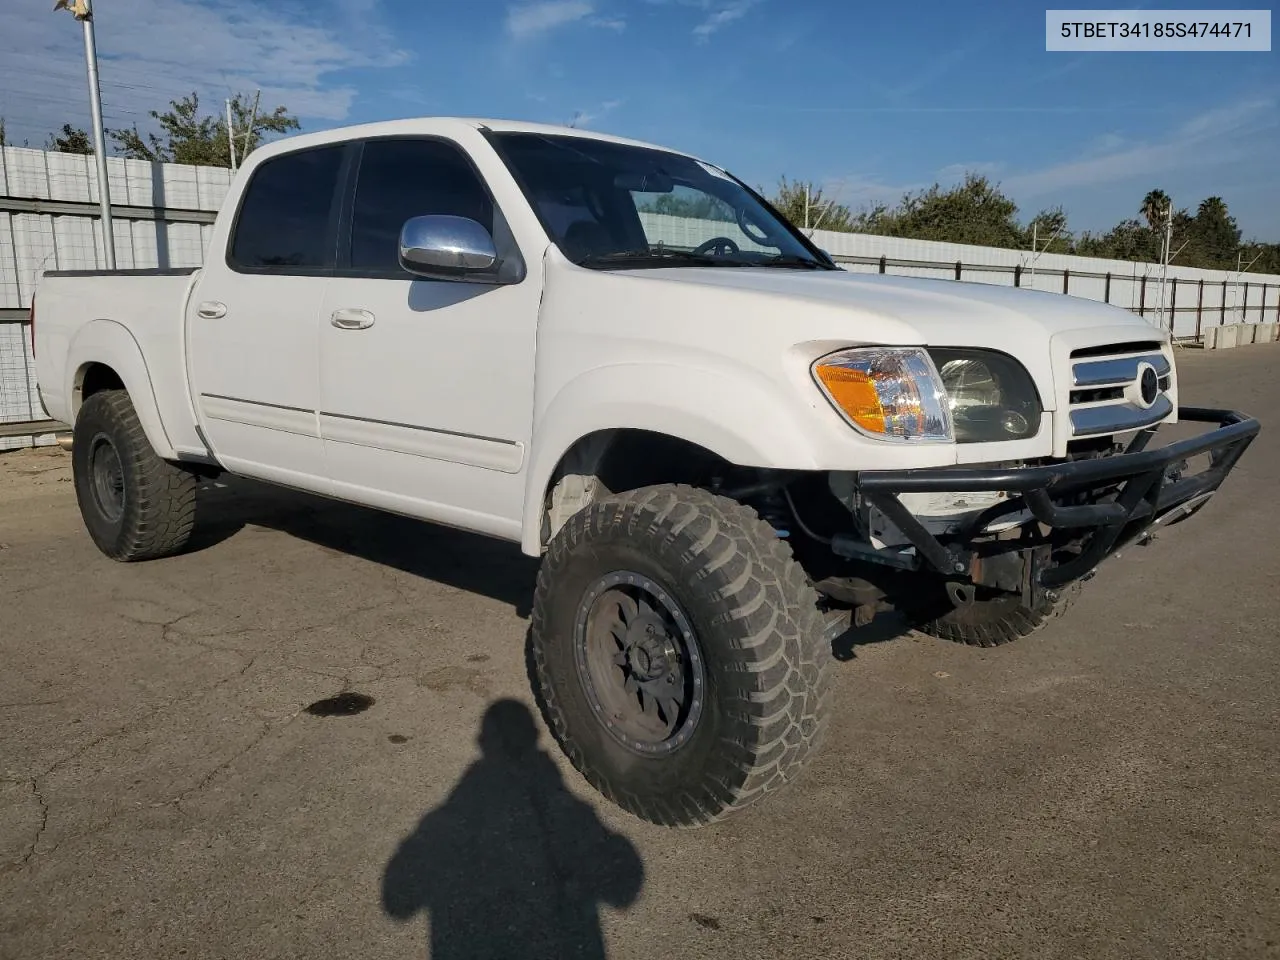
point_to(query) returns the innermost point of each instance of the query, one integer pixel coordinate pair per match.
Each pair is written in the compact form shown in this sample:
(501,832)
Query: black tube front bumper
(1106,501)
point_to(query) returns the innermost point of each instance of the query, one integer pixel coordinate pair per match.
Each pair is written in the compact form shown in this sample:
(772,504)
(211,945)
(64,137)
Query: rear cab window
(287,222)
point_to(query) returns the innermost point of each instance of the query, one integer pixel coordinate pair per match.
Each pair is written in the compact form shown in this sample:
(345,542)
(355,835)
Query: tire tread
(992,626)
(779,669)
(160,513)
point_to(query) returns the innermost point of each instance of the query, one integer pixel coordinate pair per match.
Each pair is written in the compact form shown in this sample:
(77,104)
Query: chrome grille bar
(1118,417)
(1116,371)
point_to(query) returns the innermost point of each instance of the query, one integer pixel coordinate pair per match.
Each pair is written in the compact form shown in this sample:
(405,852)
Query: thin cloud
(720,16)
(953,172)
(532,19)
(1213,136)
(837,109)
(616,24)
(148,57)
(584,118)
(938,68)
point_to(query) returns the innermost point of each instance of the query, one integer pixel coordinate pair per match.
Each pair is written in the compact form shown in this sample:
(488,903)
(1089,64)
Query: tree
(3,142)
(1259,257)
(690,204)
(187,136)
(70,140)
(1048,229)
(1214,234)
(806,205)
(1155,207)
(974,211)
(1127,240)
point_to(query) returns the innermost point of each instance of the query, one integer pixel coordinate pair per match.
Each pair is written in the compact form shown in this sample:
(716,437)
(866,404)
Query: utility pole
(83,11)
(1164,259)
(1241,267)
(253,121)
(231,138)
(1035,243)
(1035,246)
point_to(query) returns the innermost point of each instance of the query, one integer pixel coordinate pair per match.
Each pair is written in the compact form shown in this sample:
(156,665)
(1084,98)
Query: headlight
(990,395)
(887,392)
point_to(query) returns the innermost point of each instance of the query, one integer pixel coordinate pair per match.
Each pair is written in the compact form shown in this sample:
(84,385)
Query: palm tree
(1155,207)
(1213,208)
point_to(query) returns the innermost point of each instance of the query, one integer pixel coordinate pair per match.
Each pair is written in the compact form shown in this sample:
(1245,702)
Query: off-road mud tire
(989,622)
(156,511)
(758,626)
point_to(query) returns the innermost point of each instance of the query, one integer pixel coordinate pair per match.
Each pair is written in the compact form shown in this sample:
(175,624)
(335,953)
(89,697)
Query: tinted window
(285,217)
(400,179)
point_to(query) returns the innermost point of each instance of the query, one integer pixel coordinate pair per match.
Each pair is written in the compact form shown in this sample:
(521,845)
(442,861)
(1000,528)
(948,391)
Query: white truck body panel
(132,324)
(456,402)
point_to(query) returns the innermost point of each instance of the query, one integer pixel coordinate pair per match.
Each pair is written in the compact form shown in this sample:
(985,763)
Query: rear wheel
(135,505)
(679,653)
(987,620)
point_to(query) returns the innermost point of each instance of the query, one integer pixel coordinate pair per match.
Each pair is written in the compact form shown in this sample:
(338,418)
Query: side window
(400,179)
(285,217)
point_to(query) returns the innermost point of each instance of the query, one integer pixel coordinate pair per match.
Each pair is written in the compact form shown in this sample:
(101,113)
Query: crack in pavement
(31,703)
(171,634)
(123,730)
(44,822)
(268,729)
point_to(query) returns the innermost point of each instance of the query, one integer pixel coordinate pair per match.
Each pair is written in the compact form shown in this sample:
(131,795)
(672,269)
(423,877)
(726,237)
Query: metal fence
(1190,299)
(49,220)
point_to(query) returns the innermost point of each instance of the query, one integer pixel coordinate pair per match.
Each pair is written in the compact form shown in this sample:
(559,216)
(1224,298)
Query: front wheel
(679,653)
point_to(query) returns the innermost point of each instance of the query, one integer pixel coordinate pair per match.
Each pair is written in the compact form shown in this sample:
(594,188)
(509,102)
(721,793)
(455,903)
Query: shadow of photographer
(511,864)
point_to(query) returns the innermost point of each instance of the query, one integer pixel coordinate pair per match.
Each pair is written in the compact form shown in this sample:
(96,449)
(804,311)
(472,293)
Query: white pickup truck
(724,448)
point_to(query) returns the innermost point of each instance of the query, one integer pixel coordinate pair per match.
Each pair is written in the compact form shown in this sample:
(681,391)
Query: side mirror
(447,248)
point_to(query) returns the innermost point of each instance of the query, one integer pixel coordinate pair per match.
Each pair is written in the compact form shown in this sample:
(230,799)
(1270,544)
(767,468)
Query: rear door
(427,385)
(252,326)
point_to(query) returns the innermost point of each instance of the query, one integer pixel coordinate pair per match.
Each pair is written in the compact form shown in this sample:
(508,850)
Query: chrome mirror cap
(445,248)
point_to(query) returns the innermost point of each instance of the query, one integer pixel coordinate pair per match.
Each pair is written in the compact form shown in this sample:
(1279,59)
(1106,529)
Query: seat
(586,238)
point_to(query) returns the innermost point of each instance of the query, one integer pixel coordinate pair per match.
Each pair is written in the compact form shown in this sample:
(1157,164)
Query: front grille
(1107,389)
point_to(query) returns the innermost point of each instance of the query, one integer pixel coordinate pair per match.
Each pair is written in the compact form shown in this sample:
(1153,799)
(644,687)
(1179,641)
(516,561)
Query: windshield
(609,205)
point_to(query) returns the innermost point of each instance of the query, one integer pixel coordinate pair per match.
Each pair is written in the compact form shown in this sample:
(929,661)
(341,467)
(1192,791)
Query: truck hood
(936,312)
(810,312)
(722,345)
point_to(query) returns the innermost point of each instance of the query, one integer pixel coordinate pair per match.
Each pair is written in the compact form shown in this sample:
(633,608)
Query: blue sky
(870,100)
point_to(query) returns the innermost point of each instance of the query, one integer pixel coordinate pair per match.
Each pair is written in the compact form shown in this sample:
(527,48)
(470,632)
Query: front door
(426,385)
(254,320)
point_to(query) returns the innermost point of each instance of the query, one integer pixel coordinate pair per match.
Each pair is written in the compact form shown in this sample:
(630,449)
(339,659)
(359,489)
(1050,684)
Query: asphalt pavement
(1107,789)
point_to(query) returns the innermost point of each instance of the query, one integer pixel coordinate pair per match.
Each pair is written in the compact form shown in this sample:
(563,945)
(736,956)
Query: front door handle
(212,310)
(351,318)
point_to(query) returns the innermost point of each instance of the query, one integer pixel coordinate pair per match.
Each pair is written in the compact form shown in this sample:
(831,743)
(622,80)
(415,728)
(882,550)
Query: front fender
(741,421)
(110,343)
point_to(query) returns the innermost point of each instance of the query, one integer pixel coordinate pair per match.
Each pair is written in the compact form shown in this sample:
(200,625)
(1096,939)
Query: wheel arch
(104,355)
(613,460)
(726,415)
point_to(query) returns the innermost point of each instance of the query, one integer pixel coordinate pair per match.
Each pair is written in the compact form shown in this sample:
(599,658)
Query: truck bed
(130,320)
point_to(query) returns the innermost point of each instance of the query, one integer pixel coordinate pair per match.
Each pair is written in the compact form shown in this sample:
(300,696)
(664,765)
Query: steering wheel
(717,246)
(753,232)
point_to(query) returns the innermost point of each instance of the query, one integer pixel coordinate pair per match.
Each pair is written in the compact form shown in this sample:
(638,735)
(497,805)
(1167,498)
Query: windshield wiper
(650,258)
(792,262)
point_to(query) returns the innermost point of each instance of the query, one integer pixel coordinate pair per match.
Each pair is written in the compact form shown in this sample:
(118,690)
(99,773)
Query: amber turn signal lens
(854,392)
(889,393)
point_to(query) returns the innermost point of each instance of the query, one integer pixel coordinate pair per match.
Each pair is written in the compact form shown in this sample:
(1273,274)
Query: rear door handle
(212,310)
(351,318)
